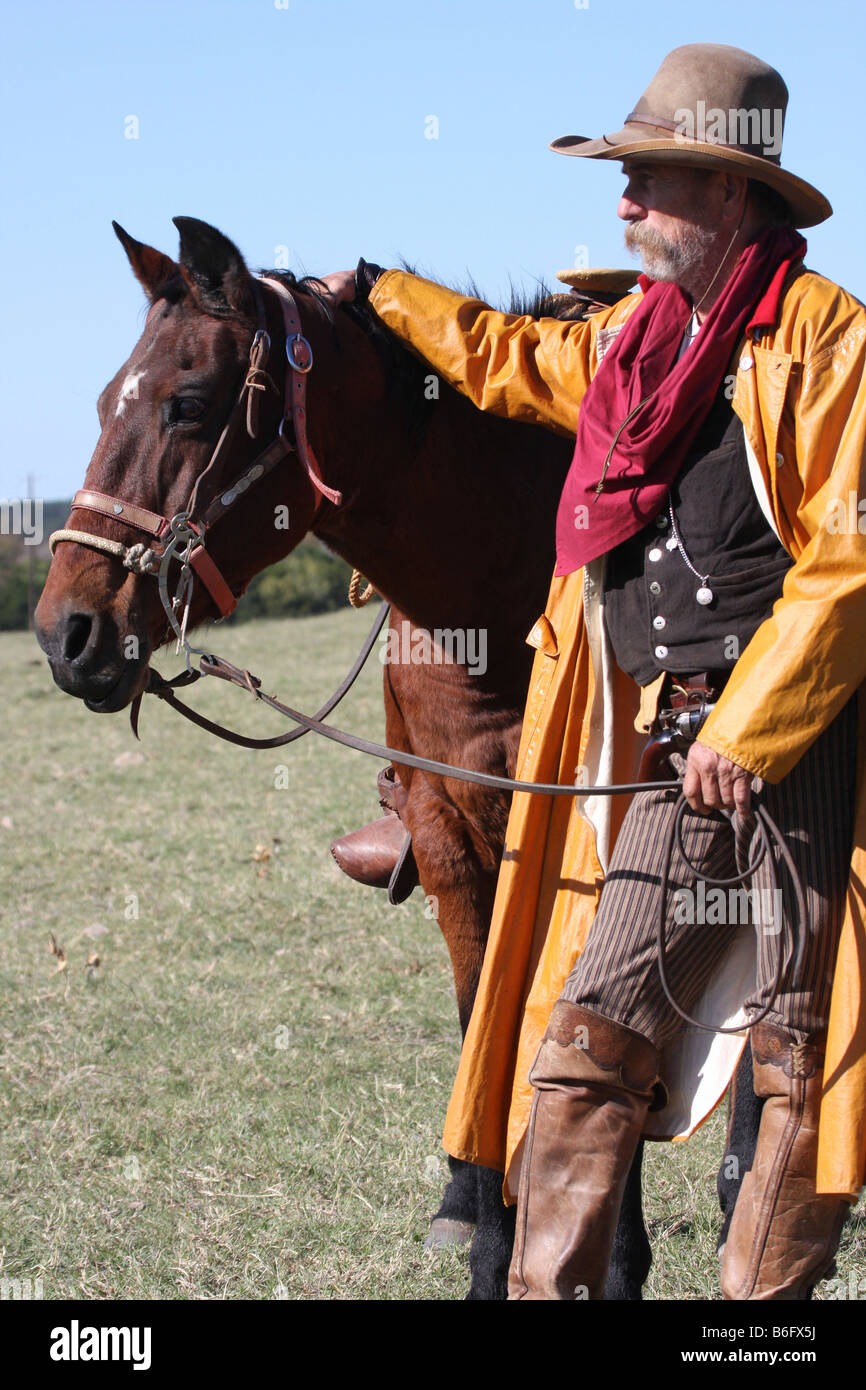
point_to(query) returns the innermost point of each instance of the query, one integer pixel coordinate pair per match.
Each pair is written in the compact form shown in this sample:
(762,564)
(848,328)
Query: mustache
(639,237)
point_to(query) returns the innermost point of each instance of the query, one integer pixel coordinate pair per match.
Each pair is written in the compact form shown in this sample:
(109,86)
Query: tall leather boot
(593,1082)
(783,1235)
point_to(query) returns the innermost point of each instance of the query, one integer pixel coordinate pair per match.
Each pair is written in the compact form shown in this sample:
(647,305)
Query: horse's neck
(455,529)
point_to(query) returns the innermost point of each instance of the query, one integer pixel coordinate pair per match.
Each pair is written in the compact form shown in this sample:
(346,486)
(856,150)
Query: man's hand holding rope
(713,783)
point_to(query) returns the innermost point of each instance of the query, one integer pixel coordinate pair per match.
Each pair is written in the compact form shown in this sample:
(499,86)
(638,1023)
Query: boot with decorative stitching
(783,1235)
(594,1082)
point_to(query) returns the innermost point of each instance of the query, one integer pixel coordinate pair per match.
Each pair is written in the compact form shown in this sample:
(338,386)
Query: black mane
(405,372)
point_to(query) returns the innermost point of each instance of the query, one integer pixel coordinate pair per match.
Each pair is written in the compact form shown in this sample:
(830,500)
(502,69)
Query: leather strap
(272,455)
(127,512)
(157,685)
(299,356)
(245,410)
(204,567)
(216,666)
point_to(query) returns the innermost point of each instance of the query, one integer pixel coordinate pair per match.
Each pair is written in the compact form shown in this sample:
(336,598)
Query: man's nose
(629,210)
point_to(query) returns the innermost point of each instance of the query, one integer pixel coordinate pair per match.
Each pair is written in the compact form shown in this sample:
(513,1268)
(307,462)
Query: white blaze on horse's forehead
(129,390)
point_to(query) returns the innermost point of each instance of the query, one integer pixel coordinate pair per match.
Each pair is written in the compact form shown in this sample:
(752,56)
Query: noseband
(183,536)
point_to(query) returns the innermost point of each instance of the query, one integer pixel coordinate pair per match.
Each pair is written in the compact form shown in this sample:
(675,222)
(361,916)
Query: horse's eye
(183,410)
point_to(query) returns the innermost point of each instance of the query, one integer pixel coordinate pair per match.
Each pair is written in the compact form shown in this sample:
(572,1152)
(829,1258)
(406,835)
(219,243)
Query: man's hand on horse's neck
(341,284)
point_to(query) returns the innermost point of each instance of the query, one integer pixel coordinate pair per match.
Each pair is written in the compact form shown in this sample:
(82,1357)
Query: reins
(183,538)
(766,834)
(211,665)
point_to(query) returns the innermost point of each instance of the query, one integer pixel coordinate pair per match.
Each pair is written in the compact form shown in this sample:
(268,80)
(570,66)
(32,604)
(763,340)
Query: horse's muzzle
(90,660)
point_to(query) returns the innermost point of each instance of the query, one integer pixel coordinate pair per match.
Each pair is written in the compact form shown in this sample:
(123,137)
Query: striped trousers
(617,975)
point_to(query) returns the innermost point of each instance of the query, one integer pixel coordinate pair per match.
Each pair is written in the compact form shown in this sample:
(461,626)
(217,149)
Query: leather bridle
(183,536)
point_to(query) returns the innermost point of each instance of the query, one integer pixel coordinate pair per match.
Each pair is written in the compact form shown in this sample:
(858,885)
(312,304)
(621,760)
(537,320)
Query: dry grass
(237,1093)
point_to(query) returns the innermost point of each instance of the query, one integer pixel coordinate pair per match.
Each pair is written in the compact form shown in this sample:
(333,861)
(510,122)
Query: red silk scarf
(651,447)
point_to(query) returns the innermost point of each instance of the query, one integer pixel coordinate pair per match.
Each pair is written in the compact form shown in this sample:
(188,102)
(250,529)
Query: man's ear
(735,191)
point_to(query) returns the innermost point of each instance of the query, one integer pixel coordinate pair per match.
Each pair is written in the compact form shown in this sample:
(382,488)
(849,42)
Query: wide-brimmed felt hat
(714,107)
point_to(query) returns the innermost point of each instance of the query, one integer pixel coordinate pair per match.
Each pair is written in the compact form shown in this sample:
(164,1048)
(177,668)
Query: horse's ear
(151,268)
(214,269)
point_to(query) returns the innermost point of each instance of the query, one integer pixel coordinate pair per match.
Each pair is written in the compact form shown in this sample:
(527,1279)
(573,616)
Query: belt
(680,692)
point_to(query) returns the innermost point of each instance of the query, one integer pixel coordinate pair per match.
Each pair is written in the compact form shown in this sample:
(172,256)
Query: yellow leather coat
(800,392)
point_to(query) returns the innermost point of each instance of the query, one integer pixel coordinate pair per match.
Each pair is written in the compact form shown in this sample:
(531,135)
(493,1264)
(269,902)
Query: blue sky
(301,124)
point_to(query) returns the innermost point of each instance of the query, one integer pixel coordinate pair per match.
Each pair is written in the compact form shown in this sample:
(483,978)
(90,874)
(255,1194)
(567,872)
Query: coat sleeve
(809,657)
(535,370)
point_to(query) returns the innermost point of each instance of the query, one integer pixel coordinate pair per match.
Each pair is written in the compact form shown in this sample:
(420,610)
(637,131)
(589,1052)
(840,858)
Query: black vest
(653,618)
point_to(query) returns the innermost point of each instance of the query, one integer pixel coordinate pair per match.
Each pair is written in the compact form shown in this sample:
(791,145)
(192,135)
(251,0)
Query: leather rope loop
(356,598)
(766,831)
(257,379)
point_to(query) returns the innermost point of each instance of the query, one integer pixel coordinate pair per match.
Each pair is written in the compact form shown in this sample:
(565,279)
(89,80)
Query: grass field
(231,1084)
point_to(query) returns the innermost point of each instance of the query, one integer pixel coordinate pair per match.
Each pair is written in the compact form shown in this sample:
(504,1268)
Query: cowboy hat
(714,107)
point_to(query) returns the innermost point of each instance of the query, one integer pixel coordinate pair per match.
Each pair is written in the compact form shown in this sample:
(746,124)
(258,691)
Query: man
(706,562)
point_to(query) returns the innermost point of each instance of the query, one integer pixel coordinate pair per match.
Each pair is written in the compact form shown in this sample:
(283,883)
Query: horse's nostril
(77,635)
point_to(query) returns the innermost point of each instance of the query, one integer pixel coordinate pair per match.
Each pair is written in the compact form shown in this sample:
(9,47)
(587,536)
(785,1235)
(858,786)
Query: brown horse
(449,512)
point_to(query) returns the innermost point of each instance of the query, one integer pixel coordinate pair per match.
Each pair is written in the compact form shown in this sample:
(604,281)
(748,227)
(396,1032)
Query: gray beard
(685,263)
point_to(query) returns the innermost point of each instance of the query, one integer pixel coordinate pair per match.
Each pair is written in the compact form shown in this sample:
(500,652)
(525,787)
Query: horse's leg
(458,863)
(631,1256)
(454,1222)
(465,902)
(744,1120)
(490,1254)
(461,893)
